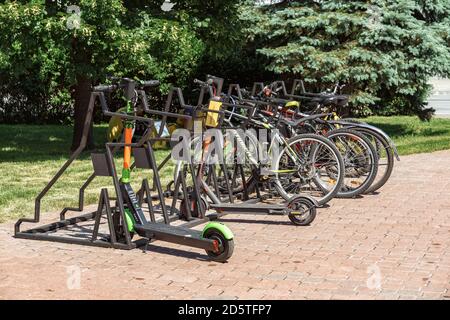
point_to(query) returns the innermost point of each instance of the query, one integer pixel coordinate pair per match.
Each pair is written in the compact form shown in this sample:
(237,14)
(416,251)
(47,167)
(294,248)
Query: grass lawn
(30,156)
(414,136)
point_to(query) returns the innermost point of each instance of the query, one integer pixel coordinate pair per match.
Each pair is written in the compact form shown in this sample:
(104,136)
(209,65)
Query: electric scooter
(127,218)
(216,238)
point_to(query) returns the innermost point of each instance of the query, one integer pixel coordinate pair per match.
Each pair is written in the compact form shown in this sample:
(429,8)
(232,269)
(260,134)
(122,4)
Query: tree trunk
(82,94)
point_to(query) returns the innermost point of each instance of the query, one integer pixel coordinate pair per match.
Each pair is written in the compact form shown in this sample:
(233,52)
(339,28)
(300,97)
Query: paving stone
(404,231)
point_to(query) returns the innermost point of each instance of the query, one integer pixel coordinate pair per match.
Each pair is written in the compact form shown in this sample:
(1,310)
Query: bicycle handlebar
(204,83)
(141,84)
(106,88)
(149,83)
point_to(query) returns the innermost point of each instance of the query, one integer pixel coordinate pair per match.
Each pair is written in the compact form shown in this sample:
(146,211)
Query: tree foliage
(385,50)
(43,57)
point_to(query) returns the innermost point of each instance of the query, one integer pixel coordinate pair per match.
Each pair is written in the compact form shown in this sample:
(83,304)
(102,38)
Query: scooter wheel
(226,246)
(303,211)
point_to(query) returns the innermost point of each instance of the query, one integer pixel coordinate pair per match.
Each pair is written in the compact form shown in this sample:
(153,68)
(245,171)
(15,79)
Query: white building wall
(440,99)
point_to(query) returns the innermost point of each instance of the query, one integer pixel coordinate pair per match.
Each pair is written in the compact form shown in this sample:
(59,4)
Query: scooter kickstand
(213,217)
(144,250)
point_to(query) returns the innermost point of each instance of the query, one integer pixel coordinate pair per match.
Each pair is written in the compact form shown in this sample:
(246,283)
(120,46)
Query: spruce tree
(384,50)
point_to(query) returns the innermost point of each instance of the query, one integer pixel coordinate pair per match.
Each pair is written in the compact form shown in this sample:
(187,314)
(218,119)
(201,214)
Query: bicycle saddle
(326,100)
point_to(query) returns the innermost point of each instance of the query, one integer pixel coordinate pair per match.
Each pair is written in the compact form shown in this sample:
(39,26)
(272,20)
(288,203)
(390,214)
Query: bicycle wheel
(360,161)
(310,165)
(245,156)
(385,155)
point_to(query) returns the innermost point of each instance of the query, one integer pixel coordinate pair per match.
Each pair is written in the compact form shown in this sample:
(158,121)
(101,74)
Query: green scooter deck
(179,235)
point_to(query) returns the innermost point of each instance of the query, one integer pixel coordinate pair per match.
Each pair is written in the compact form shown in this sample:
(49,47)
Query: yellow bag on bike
(115,127)
(212,118)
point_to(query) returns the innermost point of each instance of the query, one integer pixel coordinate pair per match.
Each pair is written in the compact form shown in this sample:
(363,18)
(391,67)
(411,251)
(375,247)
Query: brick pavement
(394,245)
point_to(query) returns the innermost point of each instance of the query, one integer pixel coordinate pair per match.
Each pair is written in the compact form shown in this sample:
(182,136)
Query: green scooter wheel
(226,246)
